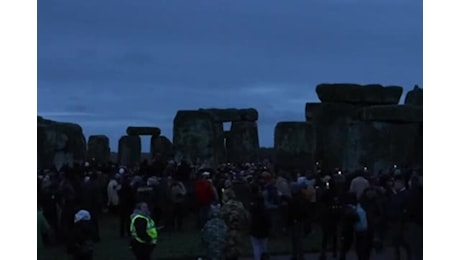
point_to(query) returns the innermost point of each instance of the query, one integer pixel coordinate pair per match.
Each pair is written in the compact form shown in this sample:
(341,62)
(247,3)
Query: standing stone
(418,160)
(194,137)
(386,135)
(161,146)
(243,142)
(380,145)
(98,148)
(414,97)
(294,146)
(59,143)
(129,150)
(331,124)
(143,130)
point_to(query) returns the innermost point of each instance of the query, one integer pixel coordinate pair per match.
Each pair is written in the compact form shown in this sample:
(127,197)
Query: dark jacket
(415,208)
(398,207)
(329,206)
(81,240)
(260,219)
(298,208)
(127,198)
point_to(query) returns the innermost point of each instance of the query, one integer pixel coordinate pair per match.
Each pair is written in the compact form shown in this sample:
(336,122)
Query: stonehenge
(129,150)
(414,97)
(98,149)
(143,130)
(242,144)
(353,126)
(294,145)
(129,146)
(59,143)
(359,125)
(199,135)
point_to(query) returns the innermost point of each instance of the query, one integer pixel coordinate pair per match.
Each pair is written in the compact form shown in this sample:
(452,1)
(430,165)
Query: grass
(175,245)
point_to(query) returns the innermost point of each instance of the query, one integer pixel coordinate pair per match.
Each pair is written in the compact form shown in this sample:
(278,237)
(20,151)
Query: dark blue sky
(109,64)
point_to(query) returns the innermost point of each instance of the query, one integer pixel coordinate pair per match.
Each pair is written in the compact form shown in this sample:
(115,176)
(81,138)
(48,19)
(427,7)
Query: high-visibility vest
(151,230)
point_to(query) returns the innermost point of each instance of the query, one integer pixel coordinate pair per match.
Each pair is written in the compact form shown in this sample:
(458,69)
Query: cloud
(133,62)
(65,114)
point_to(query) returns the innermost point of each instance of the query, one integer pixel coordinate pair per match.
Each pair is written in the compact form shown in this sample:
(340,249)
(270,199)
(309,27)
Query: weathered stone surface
(392,113)
(332,110)
(330,123)
(243,142)
(414,97)
(143,130)
(129,150)
(161,146)
(359,94)
(59,143)
(418,160)
(232,114)
(98,148)
(194,137)
(352,136)
(380,145)
(294,145)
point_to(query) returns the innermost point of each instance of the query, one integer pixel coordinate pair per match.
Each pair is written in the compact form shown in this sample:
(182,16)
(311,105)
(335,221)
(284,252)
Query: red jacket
(203,192)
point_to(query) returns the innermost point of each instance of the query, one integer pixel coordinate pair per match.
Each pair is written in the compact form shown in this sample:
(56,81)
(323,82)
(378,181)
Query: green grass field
(175,245)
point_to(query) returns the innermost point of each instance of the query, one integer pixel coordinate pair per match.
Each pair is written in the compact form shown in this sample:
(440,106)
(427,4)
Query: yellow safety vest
(151,230)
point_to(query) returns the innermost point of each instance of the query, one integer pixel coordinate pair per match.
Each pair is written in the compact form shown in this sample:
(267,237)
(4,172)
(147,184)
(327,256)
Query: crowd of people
(359,209)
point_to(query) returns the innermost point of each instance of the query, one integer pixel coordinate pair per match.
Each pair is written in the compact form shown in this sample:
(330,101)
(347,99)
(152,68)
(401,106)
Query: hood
(82,215)
(140,212)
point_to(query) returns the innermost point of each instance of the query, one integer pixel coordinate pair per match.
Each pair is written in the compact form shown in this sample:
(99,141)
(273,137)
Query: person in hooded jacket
(329,212)
(127,203)
(214,234)
(259,225)
(82,238)
(297,217)
(144,233)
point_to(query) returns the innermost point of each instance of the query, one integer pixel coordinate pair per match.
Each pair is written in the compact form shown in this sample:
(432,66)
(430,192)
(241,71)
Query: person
(127,202)
(113,187)
(354,228)
(144,234)
(178,196)
(297,215)
(214,234)
(82,238)
(398,217)
(235,216)
(329,218)
(43,230)
(359,184)
(272,200)
(91,200)
(416,215)
(259,227)
(204,195)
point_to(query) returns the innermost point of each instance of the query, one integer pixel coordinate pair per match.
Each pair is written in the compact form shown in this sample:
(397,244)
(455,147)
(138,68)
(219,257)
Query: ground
(186,245)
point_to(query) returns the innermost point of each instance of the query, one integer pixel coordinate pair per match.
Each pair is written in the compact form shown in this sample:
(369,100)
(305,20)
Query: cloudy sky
(109,64)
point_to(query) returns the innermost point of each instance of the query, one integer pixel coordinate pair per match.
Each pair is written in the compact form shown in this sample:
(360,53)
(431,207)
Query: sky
(110,64)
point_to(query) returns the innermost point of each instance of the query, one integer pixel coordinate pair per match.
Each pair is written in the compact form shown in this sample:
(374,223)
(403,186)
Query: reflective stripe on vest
(151,230)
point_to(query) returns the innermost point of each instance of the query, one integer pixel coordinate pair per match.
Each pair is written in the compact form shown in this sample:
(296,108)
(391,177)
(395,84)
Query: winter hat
(82,215)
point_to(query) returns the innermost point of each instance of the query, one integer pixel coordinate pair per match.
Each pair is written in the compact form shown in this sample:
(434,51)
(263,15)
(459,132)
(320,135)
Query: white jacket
(112,193)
